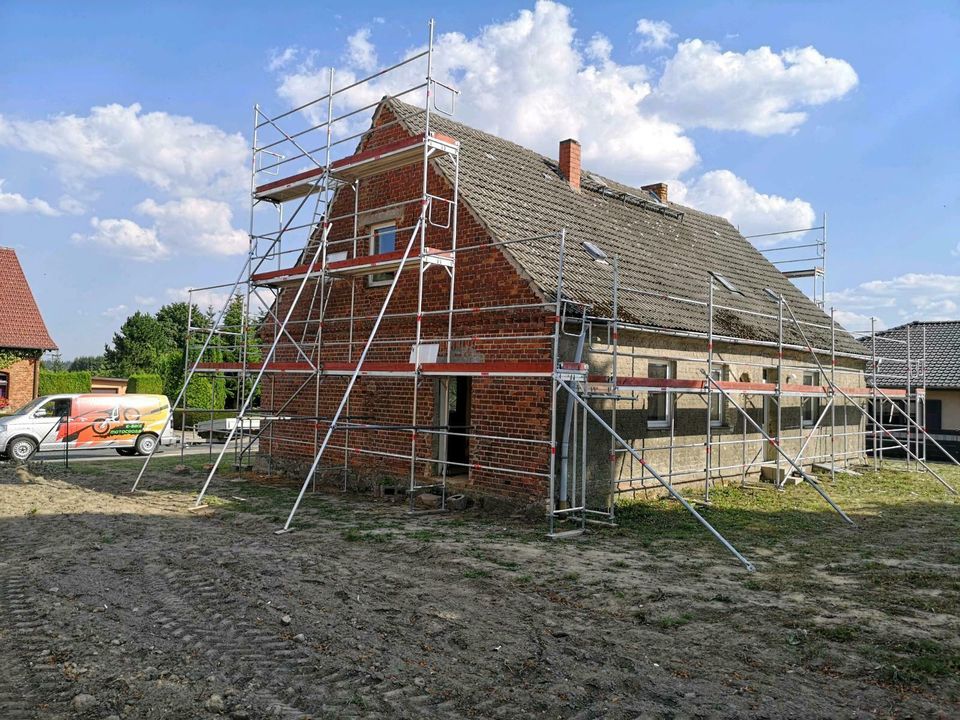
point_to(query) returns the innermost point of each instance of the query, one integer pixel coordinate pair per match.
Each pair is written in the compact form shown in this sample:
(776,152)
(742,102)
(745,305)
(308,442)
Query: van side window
(57,408)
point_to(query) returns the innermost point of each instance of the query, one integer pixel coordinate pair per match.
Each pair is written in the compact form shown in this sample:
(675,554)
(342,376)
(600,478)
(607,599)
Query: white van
(129,424)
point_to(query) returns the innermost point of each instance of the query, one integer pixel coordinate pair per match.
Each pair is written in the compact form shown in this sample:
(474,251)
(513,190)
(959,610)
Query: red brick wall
(22,377)
(484,277)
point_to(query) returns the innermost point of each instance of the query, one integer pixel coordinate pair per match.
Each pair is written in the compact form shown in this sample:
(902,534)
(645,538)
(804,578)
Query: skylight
(726,283)
(594,251)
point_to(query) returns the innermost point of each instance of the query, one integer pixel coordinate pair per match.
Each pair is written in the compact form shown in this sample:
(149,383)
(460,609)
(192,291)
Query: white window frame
(668,408)
(810,401)
(720,374)
(371,279)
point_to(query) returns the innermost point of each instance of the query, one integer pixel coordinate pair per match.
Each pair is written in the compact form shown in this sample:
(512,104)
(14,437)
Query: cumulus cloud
(196,226)
(192,226)
(527,79)
(654,34)
(124,238)
(759,91)
(912,296)
(722,193)
(530,79)
(17,203)
(361,53)
(171,152)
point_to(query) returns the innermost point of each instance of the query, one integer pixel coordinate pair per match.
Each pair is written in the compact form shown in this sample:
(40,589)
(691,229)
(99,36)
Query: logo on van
(126,429)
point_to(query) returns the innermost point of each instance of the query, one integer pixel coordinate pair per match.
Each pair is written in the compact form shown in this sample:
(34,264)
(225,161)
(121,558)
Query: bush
(55,383)
(145,384)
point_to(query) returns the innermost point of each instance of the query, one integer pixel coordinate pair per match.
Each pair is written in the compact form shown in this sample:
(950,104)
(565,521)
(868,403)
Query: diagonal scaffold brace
(668,486)
(838,390)
(807,477)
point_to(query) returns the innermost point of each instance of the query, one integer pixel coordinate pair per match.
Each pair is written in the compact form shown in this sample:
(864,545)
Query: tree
(233,346)
(138,346)
(88,363)
(173,319)
(54,363)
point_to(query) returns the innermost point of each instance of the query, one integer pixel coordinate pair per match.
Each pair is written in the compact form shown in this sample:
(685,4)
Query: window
(4,390)
(659,403)
(810,405)
(383,239)
(56,408)
(718,403)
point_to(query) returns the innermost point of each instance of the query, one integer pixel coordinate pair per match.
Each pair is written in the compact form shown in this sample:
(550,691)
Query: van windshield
(28,408)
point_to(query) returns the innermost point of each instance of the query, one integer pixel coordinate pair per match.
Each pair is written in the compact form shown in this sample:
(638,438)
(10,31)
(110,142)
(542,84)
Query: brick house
(23,334)
(506,193)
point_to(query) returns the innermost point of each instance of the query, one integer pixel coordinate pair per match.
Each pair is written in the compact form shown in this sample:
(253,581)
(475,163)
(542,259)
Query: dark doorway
(458,423)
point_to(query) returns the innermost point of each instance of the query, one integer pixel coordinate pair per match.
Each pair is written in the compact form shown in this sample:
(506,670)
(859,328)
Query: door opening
(458,425)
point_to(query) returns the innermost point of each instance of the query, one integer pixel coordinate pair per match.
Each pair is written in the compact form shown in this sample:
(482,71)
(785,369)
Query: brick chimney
(570,162)
(658,189)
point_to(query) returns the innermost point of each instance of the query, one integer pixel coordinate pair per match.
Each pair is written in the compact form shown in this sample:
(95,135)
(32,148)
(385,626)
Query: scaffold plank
(291,188)
(648,384)
(392,155)
(363,265)
(236,367)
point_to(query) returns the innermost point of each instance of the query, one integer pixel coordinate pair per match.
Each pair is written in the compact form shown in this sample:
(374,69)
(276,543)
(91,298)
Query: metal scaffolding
(311,270)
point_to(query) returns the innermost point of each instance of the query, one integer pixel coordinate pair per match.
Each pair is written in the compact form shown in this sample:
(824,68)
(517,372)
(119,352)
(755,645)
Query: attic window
(654,198)
(726,283)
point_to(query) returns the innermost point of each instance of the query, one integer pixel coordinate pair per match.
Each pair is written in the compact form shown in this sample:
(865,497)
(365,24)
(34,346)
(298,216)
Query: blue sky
(124,128)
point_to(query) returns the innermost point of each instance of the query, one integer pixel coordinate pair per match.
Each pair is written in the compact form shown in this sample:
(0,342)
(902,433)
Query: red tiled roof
(21,325)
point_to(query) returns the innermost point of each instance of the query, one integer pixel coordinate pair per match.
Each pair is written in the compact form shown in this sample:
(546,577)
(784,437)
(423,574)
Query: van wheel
(21,449)
(126,451)
(145,444)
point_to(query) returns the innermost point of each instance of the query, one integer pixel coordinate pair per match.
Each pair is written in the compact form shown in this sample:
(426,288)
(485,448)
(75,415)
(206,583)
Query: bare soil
(114,605)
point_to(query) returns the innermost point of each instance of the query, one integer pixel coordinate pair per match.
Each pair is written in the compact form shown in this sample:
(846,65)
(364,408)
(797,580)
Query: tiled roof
(518,193)
(942,341)
(21,325)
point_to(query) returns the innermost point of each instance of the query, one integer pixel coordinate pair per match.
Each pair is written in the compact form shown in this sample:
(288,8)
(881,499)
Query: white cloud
(856,322)
(171,152)
(759,91)
(912,296)
(527,80)
(203,299)
(720,192)
(361,53)
(530,80)
(655,34)
(17,203)
(117,311)
(124,238)
(192,226)
(196,226)
(143,300)
(71,205)
(280,59)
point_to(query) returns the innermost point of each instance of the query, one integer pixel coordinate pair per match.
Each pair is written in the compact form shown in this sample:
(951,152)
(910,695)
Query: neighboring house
(108,385)
(23,334)
(508,192)
(934,355)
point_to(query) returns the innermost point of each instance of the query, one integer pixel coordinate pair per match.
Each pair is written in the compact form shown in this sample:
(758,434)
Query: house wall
(23,378)
(686,461)
(499,406)
(950,404)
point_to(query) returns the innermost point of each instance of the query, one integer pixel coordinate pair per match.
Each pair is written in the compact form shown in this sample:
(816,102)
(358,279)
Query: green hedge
(54,383)
(145,384)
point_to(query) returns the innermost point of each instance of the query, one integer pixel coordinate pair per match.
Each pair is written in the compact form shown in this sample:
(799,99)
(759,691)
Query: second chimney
(570,162)
(658,189)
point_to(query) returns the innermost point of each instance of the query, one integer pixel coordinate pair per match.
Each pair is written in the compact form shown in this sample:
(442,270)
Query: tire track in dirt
(283,678)
(29,688)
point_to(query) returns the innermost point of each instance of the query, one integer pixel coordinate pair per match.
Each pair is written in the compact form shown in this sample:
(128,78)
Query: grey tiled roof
(942,357)
(518,193)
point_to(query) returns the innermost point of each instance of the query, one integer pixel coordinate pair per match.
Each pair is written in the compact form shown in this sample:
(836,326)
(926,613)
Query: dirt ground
(120,606)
